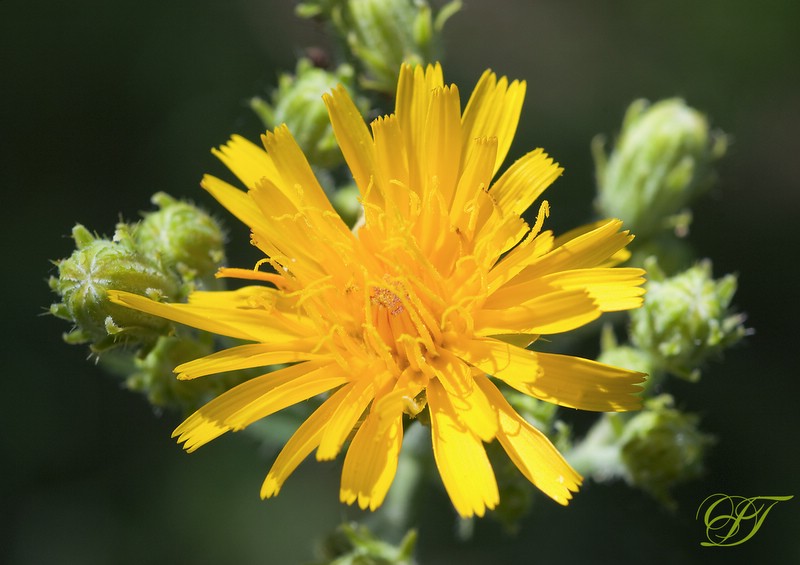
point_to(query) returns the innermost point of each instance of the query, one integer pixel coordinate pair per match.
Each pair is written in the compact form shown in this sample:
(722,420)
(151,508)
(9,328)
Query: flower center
(404,321)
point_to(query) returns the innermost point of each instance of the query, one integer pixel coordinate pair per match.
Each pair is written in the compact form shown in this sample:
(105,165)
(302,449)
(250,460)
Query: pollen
(387,299)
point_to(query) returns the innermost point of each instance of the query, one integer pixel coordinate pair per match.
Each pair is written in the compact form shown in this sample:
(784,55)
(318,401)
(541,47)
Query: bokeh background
(105,103)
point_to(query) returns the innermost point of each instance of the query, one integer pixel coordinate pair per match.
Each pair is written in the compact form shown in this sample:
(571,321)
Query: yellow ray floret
(561,379)
(371,461)
(532,453)
(461,457)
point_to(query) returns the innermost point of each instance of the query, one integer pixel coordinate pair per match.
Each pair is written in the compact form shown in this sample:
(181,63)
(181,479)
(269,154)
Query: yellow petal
(586,384)
(301,239)
(247,357)
(301,444)
(391,166)
(247,298)
(560,379)
(555,312)
(475,179)
(511,106)
(467,400)
(236,201)
(255,399)
(252,324)
(441,142)
(279,281)
(184,314)
(247,161)
(524,182)
(414,88)
(297,180)
(493,110)
(619,257)
(352,135)
(359,394)
(611,289)
(531,451)
(590,249)
(371,461)
(528,251)
(465,469)
(498,235)
(300,388)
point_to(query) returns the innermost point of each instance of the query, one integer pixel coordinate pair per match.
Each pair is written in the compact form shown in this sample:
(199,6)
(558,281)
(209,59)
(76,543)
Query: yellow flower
(441,288)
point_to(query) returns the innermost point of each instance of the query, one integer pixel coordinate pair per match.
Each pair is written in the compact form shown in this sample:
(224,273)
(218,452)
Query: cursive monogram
(732,520)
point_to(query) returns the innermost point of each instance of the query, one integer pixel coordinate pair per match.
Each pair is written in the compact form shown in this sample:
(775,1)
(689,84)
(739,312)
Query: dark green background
(105,103)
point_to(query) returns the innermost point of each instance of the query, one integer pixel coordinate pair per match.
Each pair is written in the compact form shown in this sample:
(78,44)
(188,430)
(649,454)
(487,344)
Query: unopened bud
(96,266)
(298,103)
(154,376)
(662,447)
(384,34)
(686,319)
(661,161)
(180,236)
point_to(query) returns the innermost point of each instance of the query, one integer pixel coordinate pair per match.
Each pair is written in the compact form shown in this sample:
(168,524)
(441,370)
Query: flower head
(427,306)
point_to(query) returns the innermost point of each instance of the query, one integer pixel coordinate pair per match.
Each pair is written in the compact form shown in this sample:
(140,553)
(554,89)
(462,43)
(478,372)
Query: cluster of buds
(662,160)
(685,320)
(171,252)
(654,449)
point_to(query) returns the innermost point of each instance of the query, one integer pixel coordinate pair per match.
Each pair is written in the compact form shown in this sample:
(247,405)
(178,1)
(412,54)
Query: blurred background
(106,103)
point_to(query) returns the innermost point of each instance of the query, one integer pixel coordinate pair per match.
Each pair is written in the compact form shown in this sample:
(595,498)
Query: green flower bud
(662,447)
(153,374)
(662,160)
(97,265)
(180,236)
(298,103)
(383,34)
(686,319)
